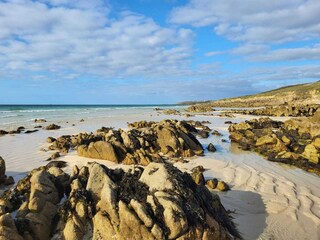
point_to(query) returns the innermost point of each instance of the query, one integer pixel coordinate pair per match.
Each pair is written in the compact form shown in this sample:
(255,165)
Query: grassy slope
(309,92)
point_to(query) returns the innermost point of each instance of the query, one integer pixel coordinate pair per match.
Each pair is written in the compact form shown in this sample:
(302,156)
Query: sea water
(13,116)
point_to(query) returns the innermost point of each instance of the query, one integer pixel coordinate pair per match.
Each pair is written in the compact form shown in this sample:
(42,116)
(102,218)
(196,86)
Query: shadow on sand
(249,212)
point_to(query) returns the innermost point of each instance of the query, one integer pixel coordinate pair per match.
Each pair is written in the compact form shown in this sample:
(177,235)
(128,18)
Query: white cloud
(289,54)
(64,36)
(254,21)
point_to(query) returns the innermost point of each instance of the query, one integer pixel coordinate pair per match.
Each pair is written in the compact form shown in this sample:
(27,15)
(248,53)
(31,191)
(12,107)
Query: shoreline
(266,197)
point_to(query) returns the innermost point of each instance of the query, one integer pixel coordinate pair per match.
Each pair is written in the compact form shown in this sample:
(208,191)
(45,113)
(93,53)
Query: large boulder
(4,179)
(98,150)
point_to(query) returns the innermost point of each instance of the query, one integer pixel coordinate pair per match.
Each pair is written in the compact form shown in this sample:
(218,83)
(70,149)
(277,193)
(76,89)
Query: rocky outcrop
(40,120)
(35,200)
(170,111)
(200,108)
(52,127)
(295,142)
(95,202)
(4,179)
(146,142)
(284,110)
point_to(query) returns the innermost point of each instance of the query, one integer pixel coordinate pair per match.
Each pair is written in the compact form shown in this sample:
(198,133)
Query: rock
(58,164)
(99,150)
(171,112)
(2,132)
(8,230)
(31,131)
(311,153)
(102,202)
(212,183)
(266,140)
(146,142)
(82,120)
(9,181)
(211,148)
(316,142)
(197,169)
(40,120)
(54,156)
(293,142)
(216,133)
(51,139)
(222,186)
(203,134)
(52,127)
(2,170)
(20,129)
(200,108)
(14,132)
(198,178)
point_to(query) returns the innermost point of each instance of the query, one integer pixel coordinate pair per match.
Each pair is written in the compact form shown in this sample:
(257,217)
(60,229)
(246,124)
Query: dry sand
(269,200)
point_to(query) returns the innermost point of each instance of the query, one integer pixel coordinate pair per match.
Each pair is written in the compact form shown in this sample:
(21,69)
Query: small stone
(9,181)
(211,148)
(216,133)
(52,127)
(51,139)
(212,183)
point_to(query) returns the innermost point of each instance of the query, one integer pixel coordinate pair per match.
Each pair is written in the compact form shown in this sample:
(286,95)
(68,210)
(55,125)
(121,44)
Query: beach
(268,200)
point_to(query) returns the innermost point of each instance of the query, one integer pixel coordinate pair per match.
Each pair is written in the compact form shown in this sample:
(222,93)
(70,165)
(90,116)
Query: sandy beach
(269,200)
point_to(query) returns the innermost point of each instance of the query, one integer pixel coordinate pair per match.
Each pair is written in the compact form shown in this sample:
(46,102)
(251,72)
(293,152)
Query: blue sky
(154,51)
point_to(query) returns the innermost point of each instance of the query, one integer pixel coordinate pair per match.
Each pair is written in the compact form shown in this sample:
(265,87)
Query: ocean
(13,116)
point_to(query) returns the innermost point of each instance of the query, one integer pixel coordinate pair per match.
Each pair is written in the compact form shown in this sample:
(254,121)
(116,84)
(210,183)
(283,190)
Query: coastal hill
(308,93)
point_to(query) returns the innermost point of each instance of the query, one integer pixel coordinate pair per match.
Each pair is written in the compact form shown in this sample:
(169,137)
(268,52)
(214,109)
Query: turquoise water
(12,116)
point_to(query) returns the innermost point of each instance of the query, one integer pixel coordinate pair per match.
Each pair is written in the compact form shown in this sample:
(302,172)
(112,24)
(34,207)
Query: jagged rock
(52,127)
(99,150)
(211,148)
(146,142)
(158,202)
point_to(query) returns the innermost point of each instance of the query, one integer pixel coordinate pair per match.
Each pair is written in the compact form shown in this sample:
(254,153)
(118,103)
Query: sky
(154,51)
